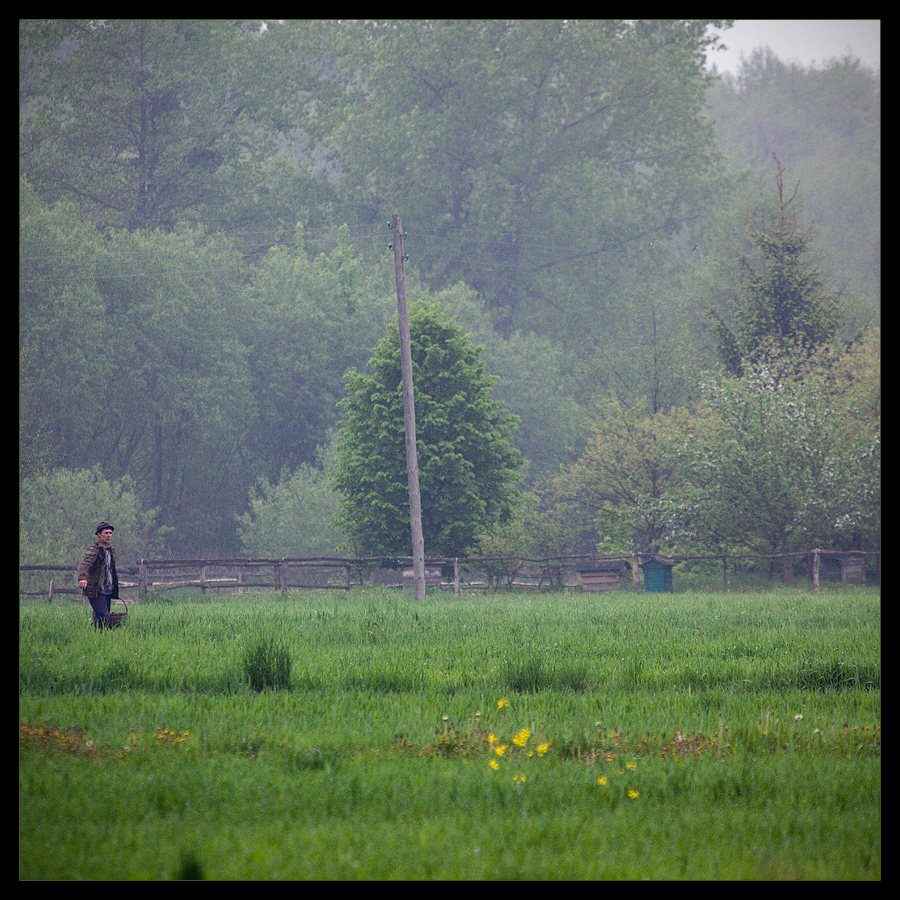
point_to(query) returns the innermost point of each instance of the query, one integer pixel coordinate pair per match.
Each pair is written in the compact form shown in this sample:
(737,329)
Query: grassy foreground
(510,736)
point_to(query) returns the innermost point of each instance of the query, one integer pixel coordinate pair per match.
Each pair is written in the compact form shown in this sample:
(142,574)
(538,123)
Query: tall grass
(267,664)
(337,735)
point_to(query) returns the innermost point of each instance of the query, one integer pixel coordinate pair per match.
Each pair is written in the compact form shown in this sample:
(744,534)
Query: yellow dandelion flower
(519,778)
(630,765)
(522,737)
(502,702)
(494,764)
(601,779)
(500,749)
(542,749)
(632,793)
(492,737)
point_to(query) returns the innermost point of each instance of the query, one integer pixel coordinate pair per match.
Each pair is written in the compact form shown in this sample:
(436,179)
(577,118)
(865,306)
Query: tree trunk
(788,564)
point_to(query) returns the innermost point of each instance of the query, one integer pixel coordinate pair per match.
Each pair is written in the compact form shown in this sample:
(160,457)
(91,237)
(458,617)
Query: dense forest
(673,276)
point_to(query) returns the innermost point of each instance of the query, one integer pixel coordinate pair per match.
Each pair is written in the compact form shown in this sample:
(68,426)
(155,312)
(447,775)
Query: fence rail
(344,572)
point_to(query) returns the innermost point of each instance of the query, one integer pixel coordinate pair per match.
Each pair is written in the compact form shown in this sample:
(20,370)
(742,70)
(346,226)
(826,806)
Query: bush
(292,517)
(60,508)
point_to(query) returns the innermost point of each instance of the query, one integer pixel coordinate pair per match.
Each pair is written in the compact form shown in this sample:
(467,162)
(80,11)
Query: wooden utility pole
(409,415)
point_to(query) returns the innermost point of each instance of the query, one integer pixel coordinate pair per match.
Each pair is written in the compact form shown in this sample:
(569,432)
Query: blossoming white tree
(770,465)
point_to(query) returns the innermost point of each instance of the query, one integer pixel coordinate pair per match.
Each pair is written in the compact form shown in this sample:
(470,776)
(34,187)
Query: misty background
(203,242)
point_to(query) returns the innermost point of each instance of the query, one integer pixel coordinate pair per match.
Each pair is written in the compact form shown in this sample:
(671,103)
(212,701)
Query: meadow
(529,736)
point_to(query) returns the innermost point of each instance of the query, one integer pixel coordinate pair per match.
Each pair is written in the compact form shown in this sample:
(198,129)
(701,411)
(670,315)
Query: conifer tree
(784,304)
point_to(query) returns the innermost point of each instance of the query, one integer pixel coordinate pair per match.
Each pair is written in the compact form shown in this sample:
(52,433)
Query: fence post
(456,589)
(283,578)
(815,571)
(50,592)
(142,580)
(635,575)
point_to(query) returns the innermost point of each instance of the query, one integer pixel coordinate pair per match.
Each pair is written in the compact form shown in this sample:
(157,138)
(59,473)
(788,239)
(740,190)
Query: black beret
(103,526)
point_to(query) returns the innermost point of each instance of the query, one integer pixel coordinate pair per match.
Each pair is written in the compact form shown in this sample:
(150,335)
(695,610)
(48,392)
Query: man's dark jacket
(91,568)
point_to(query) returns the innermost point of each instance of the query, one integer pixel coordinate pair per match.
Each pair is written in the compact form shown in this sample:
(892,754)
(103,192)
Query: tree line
(203,259)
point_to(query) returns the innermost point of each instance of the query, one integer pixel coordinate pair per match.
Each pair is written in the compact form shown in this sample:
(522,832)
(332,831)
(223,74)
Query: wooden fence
(473,573)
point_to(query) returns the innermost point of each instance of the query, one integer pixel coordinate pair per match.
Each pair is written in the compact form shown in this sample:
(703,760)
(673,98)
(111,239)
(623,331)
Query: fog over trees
(642,253)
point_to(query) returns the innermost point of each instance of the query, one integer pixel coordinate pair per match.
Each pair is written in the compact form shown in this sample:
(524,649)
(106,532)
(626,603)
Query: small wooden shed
(432,576)
(658,575)
(603,574)
(849,568)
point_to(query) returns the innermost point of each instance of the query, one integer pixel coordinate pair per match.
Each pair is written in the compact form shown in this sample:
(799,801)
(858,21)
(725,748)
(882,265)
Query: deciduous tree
(467,466)
(767,464)
(625,470)
(533,154)
(145,123)
(308,319)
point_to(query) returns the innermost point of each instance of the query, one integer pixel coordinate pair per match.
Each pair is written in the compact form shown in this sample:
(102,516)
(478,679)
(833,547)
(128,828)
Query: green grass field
(499,736)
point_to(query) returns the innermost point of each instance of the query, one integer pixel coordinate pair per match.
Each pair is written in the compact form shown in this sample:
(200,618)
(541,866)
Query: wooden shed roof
(659,560)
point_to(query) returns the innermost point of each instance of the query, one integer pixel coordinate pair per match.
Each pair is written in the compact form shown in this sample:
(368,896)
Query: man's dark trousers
(101,604)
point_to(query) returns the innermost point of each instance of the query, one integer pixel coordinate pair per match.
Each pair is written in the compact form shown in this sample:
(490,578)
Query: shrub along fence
(597,572)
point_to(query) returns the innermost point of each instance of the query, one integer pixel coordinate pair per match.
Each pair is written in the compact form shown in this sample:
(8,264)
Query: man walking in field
(97,575)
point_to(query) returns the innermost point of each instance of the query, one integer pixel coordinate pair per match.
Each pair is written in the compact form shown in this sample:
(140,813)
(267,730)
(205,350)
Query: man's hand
(83,583)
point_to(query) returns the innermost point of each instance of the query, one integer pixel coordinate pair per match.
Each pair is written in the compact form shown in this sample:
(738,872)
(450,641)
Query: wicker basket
(114,619)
